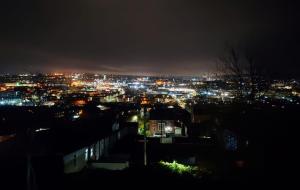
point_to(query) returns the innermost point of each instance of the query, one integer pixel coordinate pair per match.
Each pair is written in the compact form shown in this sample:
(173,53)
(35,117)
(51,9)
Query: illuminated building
(168,122)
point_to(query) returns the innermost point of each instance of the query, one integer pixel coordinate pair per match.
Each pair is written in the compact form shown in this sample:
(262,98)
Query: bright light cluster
(178,168)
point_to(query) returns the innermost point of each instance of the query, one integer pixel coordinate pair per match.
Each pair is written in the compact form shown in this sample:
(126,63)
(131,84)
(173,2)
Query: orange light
(80,102)
(58,74)
(160,82)
(2,88)
(77,83)
(144,101)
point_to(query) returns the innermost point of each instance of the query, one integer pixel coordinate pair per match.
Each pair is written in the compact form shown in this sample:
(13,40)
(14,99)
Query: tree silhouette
(239,66)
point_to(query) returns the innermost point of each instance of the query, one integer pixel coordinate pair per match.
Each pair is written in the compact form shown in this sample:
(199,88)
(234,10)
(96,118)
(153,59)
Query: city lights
(53,89)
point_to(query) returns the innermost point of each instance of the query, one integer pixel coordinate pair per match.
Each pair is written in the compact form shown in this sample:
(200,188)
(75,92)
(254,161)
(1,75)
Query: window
(161,126)
(86,154)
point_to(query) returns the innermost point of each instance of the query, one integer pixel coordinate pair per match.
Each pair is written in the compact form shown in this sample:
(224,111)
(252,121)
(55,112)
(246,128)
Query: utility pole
(145,139)
(30,178)
(161,130)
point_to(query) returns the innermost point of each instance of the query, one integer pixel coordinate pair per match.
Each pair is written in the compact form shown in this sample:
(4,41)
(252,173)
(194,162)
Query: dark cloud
(135,36)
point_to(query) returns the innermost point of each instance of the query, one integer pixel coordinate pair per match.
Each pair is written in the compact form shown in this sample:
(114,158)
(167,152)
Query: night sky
(145,36)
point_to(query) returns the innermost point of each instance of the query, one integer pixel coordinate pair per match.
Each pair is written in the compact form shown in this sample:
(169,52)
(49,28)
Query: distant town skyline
(157,37)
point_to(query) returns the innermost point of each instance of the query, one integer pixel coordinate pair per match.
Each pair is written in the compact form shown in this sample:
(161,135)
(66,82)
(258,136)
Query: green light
(178,168)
